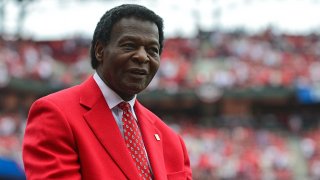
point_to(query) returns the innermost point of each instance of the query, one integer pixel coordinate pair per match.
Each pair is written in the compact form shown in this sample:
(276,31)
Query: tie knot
(124,106)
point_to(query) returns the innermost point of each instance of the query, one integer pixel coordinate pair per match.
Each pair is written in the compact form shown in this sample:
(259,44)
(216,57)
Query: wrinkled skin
(130,60)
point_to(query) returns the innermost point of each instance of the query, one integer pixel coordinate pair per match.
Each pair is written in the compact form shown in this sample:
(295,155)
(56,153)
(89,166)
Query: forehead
(135,27)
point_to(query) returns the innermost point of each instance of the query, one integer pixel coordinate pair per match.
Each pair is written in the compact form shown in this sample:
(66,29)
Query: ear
(99,48)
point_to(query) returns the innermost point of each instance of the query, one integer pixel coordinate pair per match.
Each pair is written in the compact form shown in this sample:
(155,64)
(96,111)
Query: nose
(141,55)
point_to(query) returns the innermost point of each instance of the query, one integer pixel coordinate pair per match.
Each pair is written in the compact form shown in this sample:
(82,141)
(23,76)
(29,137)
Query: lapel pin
(157,137)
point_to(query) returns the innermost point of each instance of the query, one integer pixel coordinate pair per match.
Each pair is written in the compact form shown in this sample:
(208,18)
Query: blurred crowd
(252,154)
(224,60)
(13,114)
(58,62)
(238,60)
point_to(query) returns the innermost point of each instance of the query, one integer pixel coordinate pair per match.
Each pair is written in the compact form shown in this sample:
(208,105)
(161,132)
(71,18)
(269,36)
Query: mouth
(138,71)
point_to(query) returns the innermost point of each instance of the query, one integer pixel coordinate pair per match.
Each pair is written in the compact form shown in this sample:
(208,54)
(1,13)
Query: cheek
(155,67)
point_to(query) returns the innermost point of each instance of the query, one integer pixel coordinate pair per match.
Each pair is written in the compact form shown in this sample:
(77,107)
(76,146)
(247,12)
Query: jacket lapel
(102,123)
(153,145)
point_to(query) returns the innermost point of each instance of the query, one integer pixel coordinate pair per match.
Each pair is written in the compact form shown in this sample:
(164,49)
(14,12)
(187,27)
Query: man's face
(131,58)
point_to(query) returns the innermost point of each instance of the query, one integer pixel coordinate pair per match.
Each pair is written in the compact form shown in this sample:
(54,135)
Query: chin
(136,89)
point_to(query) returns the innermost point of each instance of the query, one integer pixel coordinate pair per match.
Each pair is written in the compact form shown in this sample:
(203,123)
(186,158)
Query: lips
(138,71)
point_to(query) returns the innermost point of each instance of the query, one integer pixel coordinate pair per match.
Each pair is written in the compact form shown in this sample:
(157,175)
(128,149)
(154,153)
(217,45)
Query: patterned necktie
(133,140)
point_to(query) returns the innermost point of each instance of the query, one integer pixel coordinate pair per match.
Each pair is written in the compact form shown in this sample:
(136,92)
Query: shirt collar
(111,97)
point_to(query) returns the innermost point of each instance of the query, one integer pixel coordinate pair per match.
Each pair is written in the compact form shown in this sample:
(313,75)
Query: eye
(128,46)
(154,51)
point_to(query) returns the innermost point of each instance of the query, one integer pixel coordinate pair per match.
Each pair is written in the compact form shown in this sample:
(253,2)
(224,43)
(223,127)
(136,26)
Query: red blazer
(72,134)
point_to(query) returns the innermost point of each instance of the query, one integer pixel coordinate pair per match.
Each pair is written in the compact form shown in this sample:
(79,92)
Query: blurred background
(239,79)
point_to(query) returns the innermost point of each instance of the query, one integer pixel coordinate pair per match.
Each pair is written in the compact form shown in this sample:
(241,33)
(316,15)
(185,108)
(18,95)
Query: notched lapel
(103,125)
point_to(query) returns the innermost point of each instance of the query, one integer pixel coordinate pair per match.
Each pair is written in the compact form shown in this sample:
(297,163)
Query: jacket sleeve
(49,150)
